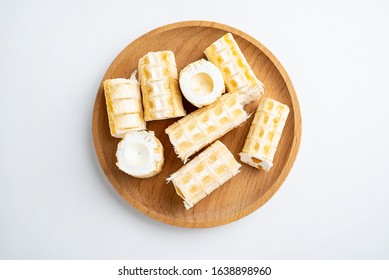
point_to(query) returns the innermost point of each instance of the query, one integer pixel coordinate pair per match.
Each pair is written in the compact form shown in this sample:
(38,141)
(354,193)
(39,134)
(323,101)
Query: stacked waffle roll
(203,83)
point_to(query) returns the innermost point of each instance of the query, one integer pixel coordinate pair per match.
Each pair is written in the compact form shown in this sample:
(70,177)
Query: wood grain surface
(241,195)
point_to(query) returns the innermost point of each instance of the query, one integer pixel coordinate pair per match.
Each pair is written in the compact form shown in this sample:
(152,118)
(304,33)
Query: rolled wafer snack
(140,154)
(203,126)
(265,133)
(201,83)
(160,90)
(237,73)
(124,105)
(205,173)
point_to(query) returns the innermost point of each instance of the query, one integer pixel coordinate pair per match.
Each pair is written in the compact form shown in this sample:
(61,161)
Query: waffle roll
(140,154)
(237,73)
(265,133)
(203,126)
(124,106)
(160,90)
(205,173)
(201,83)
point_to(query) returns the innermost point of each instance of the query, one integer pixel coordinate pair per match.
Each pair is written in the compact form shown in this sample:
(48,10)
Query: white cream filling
(201,83)
(135,154)
(263,163)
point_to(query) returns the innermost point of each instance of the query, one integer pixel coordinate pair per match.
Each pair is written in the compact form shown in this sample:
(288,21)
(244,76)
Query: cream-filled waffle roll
(140,154)
(203,126)
(124,105)
(201,83)
(237,73)
(265,133)
(160,90)
(205,173)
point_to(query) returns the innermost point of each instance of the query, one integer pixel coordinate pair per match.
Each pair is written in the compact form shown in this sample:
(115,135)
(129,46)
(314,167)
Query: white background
(55,202)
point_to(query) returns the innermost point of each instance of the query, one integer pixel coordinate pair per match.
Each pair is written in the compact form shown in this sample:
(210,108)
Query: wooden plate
(244,193)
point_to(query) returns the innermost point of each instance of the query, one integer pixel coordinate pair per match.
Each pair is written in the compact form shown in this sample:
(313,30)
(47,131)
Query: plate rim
(297,131)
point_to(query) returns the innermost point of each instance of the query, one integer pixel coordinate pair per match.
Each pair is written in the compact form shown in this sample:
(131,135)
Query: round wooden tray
(241,195)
